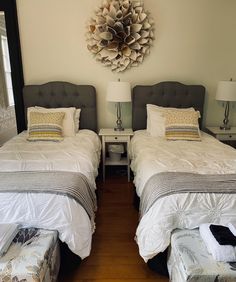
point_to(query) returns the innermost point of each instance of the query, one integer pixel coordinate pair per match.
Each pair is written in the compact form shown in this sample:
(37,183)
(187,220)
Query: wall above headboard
(194,44)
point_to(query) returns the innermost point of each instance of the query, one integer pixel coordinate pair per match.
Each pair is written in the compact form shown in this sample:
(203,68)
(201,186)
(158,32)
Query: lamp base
(225,127)
(119,129)
(119,121)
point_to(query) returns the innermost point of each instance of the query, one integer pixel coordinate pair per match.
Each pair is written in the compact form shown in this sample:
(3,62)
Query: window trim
(9,97)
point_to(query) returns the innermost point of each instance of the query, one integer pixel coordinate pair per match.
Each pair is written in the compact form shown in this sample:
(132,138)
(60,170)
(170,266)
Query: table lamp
(226,91)
(119,92)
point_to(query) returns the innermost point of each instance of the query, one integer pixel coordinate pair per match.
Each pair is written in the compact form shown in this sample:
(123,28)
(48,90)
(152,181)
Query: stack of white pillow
(156,119)
(70,124)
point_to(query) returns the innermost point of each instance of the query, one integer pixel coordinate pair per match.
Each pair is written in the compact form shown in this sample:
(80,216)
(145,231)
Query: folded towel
(232,227)
(7,234)
(225,253)
(223,235)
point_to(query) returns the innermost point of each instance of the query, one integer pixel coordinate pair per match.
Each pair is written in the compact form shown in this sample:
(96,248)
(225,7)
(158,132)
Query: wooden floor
(114,255)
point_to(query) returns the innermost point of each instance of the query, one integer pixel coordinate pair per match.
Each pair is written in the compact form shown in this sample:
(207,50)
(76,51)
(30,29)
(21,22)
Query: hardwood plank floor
(114,256)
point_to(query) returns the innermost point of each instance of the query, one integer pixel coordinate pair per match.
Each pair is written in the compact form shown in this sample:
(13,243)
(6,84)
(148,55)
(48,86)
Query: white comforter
(49,211)
(151,155)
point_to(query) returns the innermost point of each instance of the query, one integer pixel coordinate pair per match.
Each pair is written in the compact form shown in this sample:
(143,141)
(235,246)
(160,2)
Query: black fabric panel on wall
(10,11)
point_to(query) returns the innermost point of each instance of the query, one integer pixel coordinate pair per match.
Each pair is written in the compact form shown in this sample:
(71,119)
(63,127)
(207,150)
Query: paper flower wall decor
(120,34)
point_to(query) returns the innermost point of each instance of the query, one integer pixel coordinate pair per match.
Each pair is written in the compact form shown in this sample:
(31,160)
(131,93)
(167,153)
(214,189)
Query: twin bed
(170,162)
(34,167)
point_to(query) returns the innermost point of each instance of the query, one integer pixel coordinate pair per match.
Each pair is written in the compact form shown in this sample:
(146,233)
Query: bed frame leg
(159,263)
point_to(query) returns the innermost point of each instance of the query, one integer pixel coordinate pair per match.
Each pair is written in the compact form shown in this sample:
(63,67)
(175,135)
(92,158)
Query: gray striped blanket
(72,184)
(169,183)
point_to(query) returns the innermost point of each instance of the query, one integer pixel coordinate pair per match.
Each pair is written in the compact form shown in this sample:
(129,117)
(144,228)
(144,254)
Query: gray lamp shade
(226,91)
(118,91)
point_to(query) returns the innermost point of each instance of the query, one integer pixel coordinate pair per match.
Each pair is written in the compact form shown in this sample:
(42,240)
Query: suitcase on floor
(33,256)
(190,261)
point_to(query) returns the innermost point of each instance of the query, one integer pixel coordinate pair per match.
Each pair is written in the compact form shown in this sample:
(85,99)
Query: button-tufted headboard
(165,94)
(58,94)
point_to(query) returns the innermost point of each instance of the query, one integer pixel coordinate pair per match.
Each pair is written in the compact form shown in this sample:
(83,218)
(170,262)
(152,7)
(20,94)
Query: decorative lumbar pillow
(156,119)
(68,125)
(182,125)
(45,126)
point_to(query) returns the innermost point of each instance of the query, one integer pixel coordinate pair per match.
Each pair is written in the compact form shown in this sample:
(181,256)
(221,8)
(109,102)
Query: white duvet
(151,155)
(49,211)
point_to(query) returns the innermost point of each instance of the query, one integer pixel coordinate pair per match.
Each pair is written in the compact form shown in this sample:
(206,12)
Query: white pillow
(155,122)
(76,118)
(68,124)
(156,119)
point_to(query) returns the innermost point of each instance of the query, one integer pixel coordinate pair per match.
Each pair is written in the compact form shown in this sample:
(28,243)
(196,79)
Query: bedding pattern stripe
(72,184)
(169,183)
(182,132)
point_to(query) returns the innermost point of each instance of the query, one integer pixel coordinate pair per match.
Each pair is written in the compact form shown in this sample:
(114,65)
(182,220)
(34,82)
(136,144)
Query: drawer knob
(230,136)
(115,137)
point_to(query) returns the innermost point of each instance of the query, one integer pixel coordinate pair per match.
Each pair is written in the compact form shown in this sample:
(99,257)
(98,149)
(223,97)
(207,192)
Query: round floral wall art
(120,34)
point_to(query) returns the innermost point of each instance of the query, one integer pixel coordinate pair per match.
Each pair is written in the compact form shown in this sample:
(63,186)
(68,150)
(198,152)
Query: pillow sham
(45,126)
(156,118)
(68,125)
(182,125)
(76,119)
(155,122)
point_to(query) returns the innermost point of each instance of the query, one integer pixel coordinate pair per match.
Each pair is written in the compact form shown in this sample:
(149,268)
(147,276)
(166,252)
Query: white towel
(225,253)
(7,234)
(232,227)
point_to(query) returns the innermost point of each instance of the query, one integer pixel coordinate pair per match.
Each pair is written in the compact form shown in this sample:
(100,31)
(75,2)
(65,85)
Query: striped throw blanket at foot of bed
(169,183)
(71,184)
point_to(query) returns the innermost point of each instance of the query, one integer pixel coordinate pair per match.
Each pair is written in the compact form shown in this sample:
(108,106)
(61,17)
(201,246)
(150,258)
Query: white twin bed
(154,155)
(50,211)
(76,154)
(151,155)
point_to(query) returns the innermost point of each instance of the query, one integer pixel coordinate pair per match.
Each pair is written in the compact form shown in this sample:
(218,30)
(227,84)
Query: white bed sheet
(151,155)
(77,154)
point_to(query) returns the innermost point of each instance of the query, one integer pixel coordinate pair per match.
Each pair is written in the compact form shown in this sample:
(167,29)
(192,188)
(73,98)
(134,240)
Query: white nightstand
(225,136)
(110,136)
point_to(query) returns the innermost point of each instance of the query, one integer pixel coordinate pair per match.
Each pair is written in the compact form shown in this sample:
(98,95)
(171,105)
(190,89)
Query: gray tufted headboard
(165,94)
(58,94)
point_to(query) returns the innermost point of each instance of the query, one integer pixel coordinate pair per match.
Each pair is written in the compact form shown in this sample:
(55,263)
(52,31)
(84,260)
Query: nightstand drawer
(116,138)
(226,137)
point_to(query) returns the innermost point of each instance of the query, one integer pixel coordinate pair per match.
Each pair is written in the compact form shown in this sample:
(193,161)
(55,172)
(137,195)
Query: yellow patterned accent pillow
(45,126)
(182,125)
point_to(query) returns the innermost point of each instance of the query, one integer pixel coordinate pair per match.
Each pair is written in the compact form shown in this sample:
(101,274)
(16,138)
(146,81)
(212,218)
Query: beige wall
(195,43)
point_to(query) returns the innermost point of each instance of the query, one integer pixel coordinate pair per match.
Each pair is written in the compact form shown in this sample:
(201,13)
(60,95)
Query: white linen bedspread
(49,211)
(151,155)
